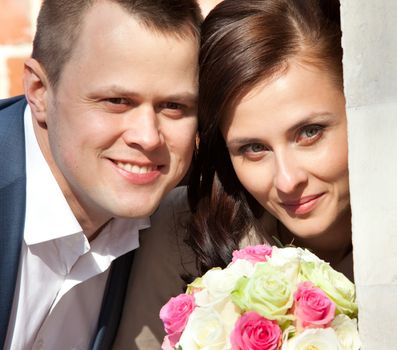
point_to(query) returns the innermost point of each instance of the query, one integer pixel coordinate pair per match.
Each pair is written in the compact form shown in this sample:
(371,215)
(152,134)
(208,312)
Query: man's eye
(172,109)
(118,100)
(171,105)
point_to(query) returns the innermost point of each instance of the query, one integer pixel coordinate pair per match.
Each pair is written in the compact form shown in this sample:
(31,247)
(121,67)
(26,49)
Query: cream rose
(218,284)
(347,333)
(209,329)
(313,339)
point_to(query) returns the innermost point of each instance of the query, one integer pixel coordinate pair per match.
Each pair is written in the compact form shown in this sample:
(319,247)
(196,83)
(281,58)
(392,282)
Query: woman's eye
(256,147)
(310,134)
(253,150)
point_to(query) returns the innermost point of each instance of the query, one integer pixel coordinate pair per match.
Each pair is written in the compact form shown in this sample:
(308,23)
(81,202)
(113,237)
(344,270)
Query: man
(107,131)
(207,5)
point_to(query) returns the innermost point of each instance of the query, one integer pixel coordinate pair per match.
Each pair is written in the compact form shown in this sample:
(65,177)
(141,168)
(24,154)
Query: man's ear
(36,89)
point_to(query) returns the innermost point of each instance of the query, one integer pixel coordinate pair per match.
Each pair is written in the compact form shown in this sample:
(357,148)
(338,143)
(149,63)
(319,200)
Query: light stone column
(370,77)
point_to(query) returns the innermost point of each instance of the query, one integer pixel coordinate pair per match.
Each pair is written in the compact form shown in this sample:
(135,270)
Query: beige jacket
(156,274)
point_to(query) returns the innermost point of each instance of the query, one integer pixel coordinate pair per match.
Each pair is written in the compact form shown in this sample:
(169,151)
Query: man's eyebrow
(182,97)
(116,90)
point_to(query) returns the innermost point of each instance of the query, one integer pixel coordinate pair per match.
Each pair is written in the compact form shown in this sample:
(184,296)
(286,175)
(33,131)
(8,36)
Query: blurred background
(17,26)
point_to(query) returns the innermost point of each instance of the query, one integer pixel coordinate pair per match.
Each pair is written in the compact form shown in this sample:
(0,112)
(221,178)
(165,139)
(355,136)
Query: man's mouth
(137,169)
(138,174)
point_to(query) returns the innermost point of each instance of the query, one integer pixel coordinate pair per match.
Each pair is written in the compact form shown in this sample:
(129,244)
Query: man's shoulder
(11,102)
(12,142)
(11,115)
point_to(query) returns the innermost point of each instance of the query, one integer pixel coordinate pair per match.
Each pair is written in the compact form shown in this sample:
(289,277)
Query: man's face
(121,124)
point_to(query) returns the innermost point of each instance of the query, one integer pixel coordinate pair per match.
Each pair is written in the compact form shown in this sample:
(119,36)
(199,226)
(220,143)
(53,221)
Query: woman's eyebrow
(238,141)
(312,118)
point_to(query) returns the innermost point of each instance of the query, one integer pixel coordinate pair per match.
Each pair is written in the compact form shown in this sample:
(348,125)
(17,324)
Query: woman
(272,157)
(273,133)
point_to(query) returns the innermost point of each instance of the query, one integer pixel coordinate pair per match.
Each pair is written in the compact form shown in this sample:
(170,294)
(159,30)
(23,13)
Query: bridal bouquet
(267,298)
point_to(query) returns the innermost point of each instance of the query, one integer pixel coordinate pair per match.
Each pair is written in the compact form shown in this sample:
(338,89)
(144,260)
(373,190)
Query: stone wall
(370,77)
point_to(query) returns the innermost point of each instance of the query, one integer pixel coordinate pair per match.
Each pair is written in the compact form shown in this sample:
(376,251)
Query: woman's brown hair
(244,43)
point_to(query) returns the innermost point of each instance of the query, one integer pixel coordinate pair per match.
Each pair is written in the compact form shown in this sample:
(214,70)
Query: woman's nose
(290,174)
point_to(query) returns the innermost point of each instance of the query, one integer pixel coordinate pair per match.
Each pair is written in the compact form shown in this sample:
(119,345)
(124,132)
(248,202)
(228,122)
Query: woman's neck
(333,245)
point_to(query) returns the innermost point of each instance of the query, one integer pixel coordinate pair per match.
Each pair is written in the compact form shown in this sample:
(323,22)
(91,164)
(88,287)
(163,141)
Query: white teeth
(135,168)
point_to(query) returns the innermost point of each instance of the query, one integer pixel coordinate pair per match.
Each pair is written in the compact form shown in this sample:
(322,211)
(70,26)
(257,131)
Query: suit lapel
(113,302)
(12,202)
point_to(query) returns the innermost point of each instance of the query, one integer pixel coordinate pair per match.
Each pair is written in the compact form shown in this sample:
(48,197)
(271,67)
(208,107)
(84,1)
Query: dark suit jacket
(12,220)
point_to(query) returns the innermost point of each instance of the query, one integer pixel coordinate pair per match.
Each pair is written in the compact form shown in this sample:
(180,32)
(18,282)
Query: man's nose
(144,129)
(289,173)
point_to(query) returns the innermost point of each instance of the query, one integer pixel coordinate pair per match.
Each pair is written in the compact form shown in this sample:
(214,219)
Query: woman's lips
(303,205)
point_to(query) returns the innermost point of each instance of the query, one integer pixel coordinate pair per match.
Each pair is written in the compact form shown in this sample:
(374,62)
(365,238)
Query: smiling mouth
(138,174)
(136,169)
(303,205)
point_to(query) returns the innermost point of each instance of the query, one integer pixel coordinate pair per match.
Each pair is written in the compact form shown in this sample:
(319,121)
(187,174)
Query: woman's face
(287,140)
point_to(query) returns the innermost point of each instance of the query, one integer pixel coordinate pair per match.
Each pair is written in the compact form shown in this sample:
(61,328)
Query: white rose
(280,256)
(347,332)
(218,284)
(313,339)
(241,267)
(208,329)
(229,315)
(308,256)
(288,259)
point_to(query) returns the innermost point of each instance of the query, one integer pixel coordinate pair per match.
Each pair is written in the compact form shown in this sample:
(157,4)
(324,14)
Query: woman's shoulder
(160,263)
(175,201)
(169,221)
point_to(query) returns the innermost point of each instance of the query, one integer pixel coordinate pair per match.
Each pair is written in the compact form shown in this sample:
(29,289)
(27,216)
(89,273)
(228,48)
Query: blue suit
(12,220)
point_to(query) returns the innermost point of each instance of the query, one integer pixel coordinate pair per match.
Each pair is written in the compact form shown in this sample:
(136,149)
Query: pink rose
(254,332)
(174,315)
(312,307)
(253,253)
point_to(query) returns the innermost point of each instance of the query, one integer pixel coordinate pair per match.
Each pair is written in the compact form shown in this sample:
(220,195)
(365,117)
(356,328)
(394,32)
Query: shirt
(62,276)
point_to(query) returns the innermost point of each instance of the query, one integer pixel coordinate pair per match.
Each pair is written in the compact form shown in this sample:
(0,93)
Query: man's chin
(141,208)
(141,204)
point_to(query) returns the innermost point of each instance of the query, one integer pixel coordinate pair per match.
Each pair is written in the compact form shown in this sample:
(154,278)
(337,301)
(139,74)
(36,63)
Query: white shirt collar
(48,215)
